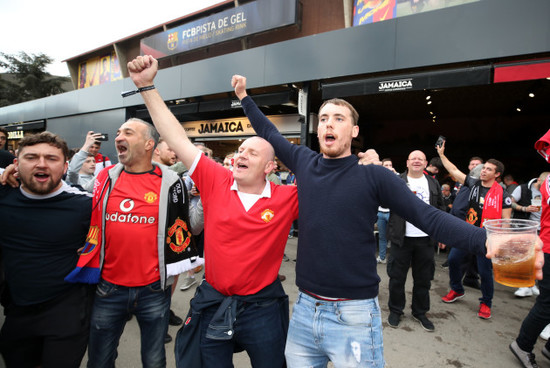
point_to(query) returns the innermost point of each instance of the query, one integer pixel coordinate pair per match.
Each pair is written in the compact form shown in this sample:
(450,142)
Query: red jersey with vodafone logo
(243,249)
(131,228)
(545,217)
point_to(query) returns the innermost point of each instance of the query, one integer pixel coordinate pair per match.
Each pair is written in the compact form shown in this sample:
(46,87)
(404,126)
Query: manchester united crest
(179,236)
(471,216)
(150,197)
(267,215)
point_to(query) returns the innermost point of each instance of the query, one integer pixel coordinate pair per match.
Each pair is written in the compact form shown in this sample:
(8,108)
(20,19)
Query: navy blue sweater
(339,202)
(39,239)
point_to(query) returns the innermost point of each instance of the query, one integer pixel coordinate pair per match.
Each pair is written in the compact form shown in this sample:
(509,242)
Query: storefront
(463,58)
(18,131)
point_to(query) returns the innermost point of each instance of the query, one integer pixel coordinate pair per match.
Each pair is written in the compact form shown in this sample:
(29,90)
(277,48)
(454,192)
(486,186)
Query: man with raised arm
(487,200)
(241,304)
(338,207)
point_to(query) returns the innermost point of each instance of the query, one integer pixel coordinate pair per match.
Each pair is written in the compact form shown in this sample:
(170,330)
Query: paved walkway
(460,340)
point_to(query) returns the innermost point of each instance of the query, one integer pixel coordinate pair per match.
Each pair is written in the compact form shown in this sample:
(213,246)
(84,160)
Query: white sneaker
(545,334)
(380,260)
(187,283)
(535,290)
(523,292)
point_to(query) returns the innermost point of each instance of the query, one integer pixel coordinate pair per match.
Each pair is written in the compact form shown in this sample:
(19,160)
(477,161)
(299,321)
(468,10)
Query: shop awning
(31,125)
(523,70)
(448,78)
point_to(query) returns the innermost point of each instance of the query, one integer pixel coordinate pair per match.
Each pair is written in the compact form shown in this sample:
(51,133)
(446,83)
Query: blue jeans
(382,223)
(484,268)
(258,329)
(112,306)
(347,333)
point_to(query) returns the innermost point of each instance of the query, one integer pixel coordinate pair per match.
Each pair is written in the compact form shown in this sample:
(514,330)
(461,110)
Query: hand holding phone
(103,137)
(440,141)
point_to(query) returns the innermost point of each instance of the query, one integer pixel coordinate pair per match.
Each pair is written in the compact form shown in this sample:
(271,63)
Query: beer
(514,265)
(537,202)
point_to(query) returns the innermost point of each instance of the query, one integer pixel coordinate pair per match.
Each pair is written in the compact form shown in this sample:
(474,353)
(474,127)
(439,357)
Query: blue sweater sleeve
(441,226)
(285,151)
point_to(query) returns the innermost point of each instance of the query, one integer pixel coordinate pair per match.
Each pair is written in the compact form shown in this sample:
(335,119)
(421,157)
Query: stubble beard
(37,188)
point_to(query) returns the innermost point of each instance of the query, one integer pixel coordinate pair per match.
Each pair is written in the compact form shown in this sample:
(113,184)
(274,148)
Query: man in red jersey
(241,304)
(101,160)
(141,231)
(539,316)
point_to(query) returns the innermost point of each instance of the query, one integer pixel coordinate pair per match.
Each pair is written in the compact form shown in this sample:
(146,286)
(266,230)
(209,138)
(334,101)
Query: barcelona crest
(172,40)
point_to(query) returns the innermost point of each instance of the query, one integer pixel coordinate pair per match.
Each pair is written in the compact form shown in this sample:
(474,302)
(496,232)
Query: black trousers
(51,334)
(417,254)
(539,315)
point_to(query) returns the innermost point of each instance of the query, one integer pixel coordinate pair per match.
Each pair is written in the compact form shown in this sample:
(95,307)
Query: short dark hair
(498,164)
(45,137)
(436,161)
(476,158)
(341,102)
(386,160)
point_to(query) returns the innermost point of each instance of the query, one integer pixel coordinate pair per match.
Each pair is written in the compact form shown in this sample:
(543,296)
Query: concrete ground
(460,340)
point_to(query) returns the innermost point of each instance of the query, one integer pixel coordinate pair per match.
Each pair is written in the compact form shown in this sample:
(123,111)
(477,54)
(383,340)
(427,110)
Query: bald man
(413,248)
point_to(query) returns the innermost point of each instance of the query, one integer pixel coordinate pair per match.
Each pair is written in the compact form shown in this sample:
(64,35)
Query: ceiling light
(518,109)
(429,102)
(531,94)
(428,97)
(431,112)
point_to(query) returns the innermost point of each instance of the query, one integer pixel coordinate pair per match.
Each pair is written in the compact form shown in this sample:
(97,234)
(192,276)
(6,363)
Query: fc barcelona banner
(248,19)
(372,11)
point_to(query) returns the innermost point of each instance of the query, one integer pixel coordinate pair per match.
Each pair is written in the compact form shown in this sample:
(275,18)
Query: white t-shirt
(516,194)
(420,187)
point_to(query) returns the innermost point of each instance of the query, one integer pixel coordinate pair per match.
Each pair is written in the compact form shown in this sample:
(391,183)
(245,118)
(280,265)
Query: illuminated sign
(18,134)
(395,85)
(286,124)
(248,19)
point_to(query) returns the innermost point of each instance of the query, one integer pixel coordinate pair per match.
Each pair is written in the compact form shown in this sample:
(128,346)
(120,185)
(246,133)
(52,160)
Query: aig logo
(126,206)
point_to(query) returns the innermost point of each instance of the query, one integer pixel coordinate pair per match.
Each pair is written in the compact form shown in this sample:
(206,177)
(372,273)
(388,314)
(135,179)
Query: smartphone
(104,137)
(440,141)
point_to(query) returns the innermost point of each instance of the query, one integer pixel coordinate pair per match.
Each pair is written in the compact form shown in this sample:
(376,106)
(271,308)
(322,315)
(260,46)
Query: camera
(440,141)
(103,137)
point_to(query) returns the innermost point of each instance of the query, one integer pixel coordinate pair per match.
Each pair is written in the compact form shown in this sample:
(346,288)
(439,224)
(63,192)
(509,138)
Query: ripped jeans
(347,333)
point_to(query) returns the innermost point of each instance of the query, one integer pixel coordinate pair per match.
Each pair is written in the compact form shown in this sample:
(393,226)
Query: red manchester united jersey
(131,227)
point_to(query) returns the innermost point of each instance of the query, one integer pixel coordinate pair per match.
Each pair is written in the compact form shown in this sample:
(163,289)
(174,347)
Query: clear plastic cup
(537,202)
(513,241)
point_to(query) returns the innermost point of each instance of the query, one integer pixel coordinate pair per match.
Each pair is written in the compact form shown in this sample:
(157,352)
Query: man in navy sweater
(337,316)
(44,224)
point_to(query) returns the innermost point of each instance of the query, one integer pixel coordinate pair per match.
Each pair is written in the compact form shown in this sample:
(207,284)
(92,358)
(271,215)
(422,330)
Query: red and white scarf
(492,207)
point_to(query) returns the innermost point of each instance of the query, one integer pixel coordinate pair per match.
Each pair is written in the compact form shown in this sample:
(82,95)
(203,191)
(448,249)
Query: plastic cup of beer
(513,241)
(537,202)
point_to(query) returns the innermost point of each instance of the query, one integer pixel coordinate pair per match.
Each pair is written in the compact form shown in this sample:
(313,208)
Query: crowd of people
(167,208)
